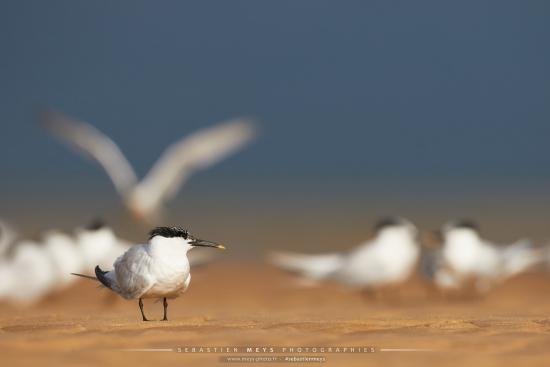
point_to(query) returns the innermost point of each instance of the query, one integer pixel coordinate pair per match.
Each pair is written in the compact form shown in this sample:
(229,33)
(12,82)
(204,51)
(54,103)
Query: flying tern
(389,258)
(157,269)
(145,198)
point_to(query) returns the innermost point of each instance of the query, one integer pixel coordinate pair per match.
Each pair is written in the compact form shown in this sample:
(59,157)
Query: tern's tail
(315,267)
(520,257)
(103,278)
(85,276)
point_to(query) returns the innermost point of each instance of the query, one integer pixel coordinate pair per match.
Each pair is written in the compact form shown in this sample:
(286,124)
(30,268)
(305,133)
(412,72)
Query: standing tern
(387,259)
(28,274)
(157,269)
(145,198)
(466,256)
(34,269)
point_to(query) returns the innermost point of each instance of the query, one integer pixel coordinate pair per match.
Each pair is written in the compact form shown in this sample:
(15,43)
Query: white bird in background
(31,270)
(145,198)
(65,256)
(389,258)
(96,244)
(465,256)
(158,269)
(28,274)
(26,270)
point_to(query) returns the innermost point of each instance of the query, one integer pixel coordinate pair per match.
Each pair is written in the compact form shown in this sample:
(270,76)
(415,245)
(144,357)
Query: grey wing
(132,272)
(197,151)
(93,143)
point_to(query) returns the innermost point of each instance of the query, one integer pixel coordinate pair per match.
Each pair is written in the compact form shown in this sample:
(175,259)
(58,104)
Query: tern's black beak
(203,243)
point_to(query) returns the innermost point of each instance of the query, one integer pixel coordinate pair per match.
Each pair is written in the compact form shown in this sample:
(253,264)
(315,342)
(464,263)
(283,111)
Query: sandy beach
(241,305)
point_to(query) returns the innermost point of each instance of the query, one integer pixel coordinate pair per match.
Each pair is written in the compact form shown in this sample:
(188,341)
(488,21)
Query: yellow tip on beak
(221,247)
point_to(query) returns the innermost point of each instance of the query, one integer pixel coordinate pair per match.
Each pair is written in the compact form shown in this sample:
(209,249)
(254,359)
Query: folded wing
(131,274)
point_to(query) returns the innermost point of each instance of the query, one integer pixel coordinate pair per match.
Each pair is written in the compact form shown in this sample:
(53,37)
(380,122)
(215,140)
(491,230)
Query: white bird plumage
(29,274)
(389,258)
(466,256)
(65,256)
(180,160)
(157,269)
(31,270)
(95,242)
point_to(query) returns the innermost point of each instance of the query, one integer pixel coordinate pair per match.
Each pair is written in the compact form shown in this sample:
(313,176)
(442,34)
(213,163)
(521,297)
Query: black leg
(141,308)
(165,318)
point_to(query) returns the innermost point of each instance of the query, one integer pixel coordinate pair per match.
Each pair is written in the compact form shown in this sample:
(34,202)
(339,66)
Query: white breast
(468,255)
(169,268)
(389,258)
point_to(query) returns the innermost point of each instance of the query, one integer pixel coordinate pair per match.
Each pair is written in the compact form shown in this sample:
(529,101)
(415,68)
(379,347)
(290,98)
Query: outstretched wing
(92,143)
(180,160)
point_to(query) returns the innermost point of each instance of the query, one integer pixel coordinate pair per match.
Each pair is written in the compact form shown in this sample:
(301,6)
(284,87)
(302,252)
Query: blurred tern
(387,259)
(95,242)
(158,269)
(65,256)
(31,270)
(28,274)
(145,199)
(465,256)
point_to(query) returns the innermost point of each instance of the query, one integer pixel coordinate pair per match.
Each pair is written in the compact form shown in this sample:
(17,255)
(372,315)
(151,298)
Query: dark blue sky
(343,89)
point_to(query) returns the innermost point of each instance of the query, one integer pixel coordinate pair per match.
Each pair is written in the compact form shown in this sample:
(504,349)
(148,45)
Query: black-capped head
(387,222)
(96,224)
(462,224)
(169,232)
(397,223)
(178,232)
